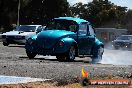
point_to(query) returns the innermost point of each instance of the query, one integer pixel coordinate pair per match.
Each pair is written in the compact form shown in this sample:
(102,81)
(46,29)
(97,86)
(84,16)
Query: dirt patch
(54,85)
(67,84)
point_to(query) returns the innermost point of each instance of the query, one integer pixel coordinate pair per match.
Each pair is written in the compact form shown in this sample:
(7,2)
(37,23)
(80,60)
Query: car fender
(68,42)
(97,44)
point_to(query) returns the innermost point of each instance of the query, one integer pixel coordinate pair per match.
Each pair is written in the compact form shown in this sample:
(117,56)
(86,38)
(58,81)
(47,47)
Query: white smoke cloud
(117,57)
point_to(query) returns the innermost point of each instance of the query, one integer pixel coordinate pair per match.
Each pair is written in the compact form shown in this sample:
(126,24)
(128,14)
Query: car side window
(82,29)
(73,28)
(91,30)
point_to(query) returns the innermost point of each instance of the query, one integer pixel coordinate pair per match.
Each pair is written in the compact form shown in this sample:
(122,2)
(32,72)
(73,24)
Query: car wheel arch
(76,47)
(97,54)
(95,47)
(70,42)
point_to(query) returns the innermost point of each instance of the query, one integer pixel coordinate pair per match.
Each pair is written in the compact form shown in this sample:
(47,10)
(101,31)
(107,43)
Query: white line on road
(16,80)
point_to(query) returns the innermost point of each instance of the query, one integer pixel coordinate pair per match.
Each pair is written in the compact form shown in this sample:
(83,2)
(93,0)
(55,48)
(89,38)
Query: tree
(128,21)
(31,11)
(8,15)
(38,12)
(99,12)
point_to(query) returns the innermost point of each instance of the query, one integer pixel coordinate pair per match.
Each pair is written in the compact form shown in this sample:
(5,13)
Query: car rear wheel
(69,56)
(30,55)
(98,57)
(5,43)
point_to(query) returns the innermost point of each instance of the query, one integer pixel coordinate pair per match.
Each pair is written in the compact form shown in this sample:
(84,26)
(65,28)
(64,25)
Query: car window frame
(91,33)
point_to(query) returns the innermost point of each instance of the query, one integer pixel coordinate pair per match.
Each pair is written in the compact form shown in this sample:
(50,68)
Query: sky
(126,3)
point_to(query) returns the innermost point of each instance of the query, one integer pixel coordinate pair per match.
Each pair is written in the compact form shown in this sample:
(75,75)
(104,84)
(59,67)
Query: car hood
(49,38)
(18,33)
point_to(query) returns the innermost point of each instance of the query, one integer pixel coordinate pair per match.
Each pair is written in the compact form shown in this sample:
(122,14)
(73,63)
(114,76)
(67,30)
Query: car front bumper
(51,51)
(122,45)
(14,41)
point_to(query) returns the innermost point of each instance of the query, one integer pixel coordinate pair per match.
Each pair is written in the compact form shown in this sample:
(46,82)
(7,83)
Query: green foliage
(39,11)
(7,12)
(31,11)
(128,21)
(99,11)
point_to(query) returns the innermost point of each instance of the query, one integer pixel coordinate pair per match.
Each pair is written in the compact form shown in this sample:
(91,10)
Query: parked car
(20,34)
(66,38)
(0,37)
(123,41)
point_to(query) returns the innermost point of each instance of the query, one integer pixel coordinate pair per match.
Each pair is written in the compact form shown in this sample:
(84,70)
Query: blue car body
(57,40)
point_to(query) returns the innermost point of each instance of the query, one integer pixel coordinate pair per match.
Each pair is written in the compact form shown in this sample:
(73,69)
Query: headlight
(61,43)
(30,41)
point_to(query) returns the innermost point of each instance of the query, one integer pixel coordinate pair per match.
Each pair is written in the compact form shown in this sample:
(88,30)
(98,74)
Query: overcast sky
(126,3)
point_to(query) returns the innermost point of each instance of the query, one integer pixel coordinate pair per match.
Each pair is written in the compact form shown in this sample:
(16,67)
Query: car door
(85,40)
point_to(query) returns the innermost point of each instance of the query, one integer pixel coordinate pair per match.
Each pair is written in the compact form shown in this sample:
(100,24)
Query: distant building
(109,34)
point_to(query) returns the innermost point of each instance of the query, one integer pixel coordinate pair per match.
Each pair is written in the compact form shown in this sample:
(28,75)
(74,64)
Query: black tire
(69,56)
(98,56)
(61,58)
(5,43)
(31,55)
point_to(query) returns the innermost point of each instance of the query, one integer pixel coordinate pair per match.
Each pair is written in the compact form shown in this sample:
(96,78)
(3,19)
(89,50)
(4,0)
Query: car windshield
(26,28)
(62,25)
(124,38)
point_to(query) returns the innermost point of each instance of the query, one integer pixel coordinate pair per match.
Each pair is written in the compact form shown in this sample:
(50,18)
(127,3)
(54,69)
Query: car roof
(77,20)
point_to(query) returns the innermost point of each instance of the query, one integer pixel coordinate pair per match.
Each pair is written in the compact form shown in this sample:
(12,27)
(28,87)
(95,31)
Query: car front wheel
(69,56)
(5,43)
(30,55)
(98,57)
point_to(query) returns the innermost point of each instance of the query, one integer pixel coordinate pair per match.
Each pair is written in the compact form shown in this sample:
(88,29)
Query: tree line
(101,13)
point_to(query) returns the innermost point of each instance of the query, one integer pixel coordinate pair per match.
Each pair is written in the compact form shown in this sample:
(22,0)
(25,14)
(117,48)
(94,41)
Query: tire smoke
(116,57)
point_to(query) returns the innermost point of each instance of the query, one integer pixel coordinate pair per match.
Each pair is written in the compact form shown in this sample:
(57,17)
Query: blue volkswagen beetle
(66,38)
